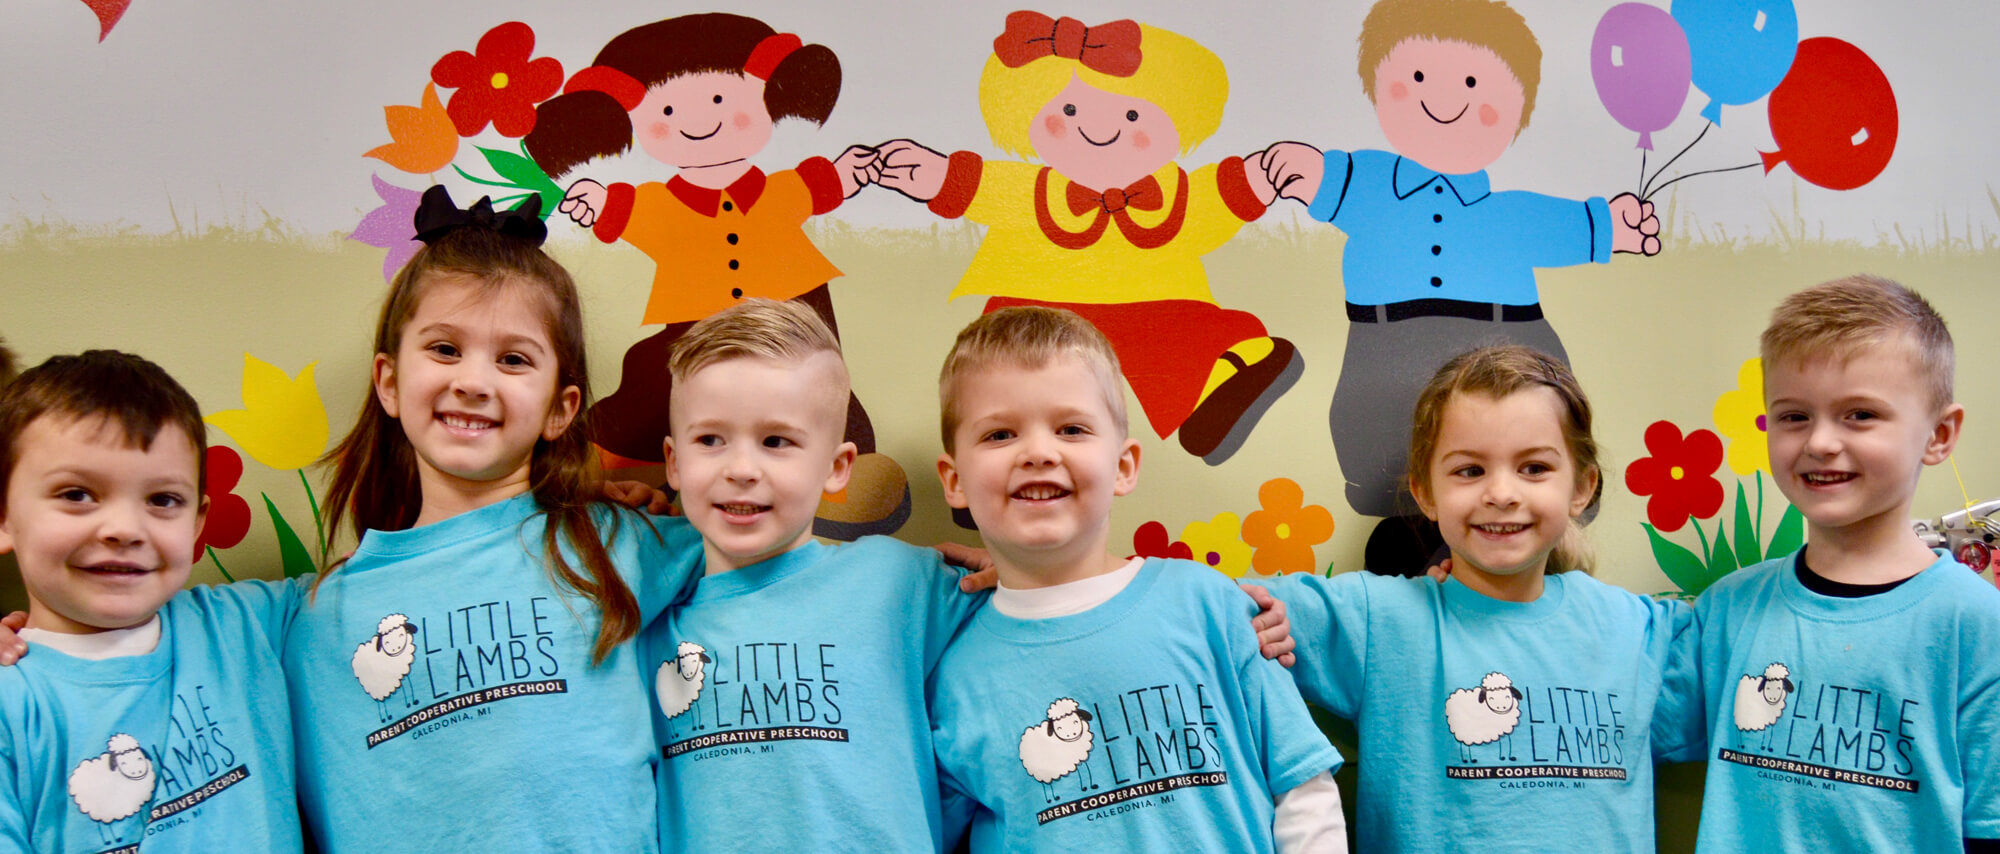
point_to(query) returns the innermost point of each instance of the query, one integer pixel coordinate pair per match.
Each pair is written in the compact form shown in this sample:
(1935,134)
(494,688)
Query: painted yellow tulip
(282,423)
(1739,414)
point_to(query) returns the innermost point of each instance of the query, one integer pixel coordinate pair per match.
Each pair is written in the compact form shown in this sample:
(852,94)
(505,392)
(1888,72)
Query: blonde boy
(1101,703)
(790,687)
(1847,696)
(145,712)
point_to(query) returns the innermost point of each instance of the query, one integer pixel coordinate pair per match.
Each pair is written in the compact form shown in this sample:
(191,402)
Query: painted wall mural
(1283,225)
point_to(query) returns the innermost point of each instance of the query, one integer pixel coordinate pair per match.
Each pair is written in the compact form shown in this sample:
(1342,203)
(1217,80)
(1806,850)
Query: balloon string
(1645,193)
(1678,178)
(1642,171)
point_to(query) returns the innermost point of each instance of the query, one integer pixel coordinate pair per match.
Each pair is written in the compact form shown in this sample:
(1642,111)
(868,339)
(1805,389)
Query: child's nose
(119,524)
(1502,491)
(1037,452)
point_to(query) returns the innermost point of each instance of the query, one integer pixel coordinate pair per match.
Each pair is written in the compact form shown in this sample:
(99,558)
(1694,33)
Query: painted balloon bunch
(1832,112)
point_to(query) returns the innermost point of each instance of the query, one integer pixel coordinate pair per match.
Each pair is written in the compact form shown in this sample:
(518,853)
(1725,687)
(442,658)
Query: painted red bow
(1144,195)
(1108,48)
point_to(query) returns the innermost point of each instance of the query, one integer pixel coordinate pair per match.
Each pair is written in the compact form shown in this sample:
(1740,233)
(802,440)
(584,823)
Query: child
(1112,227)
(1513,703)
(1850,691)
(464,677)
(700,93)
(1434,257)
(1100,703)
(792,681)
(147,712)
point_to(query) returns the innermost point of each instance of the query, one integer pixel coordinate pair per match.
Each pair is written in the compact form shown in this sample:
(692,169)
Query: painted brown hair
(375,482)
(1490,24)
(1497,372)
(124,391)
(575,128)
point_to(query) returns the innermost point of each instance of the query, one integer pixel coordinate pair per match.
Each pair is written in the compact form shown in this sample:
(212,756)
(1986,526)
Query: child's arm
(1309,818)
(1680,717)
(1979,735)
(1332,615)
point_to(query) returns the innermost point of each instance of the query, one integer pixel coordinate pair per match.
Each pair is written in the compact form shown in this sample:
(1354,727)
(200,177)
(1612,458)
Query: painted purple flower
(391,226)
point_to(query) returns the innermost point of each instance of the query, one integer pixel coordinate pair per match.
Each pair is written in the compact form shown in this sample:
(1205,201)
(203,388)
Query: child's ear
(673,465)
(843,467)
(1586,489)
(948,477)
(1422,493)
(1944,435)
(1128,468)
(562,411)
(383,376)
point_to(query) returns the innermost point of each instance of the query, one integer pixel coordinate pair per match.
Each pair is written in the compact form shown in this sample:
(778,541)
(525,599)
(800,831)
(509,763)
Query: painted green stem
(218,565)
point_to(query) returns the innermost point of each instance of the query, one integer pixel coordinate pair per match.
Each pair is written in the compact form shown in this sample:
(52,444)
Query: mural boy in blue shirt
(1846,696)
(1435,260)
(1100,703)
(150,713)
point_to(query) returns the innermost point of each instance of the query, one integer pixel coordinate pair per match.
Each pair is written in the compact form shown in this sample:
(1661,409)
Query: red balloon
(1833,116)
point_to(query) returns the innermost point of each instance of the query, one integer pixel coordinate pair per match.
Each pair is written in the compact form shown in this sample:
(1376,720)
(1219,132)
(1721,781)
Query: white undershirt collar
(97,646)
(1062,600)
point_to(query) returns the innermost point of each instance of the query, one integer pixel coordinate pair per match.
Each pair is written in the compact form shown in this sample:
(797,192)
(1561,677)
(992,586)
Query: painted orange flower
(424,138)
(1286,529)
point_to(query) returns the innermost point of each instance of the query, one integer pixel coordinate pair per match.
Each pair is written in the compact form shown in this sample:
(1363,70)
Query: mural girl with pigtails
(1111,227)
(701,93)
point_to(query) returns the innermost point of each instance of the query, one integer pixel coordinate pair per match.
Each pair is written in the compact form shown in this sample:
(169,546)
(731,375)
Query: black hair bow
(437,216)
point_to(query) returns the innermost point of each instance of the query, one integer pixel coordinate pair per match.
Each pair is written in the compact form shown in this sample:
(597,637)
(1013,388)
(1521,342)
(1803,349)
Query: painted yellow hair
(1175,73)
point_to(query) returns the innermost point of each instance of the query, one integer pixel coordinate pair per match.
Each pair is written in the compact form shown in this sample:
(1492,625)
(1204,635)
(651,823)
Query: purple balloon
(1639,60)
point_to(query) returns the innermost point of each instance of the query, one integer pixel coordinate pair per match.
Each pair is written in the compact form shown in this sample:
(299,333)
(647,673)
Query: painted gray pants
(1383,371)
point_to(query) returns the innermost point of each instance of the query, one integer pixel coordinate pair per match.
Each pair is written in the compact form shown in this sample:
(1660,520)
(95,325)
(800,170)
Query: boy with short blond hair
(1848,691)
(1100,703)
(146,712)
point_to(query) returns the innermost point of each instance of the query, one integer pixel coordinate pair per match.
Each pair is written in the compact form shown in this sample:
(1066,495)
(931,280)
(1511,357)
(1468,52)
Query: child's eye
(516,360)
(1468,471)
(708,440)
(777,442)
(1536,468)
(1420,77)
(1131,115)
(443,350)
(1072,430)
(76,494)
(997,436)
(167,500)
(1864,415)
(1069,109)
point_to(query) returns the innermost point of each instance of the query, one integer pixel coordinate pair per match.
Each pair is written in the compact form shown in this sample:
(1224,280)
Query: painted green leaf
(525,175)
(1680,565)
(297,560)
(1746,532)
(1790,535)
(1723,562)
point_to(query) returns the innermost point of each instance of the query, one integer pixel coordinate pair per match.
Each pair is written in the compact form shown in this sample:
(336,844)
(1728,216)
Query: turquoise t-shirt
(1489,725)
(185,748)
(1838,724)
(1150,722)
(445,699)
(788,701)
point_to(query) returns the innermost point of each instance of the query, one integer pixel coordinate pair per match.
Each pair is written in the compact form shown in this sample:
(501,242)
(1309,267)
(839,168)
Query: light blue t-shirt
(185,748)
(1837,724)
(1415,234)
(788,701)
(1489,725)
(444,695)
(1148,723)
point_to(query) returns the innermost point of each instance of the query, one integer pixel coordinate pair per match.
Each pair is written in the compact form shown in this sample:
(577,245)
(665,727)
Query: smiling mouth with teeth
(1040,492)
(466,422)
(1502,529)
(742,509)
(1828,478)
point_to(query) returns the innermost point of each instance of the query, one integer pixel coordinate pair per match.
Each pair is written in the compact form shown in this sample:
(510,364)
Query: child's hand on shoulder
(12,647)
(640,496)
(1274,629)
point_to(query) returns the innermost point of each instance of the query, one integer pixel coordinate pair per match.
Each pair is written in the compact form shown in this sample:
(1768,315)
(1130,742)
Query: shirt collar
(1411,176)
(702,200)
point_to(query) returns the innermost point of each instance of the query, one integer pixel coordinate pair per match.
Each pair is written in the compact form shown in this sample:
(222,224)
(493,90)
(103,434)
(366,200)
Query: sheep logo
(1760,700)
(1484,715)
(381,662)
(1057,745)
(112,785)
(677,684)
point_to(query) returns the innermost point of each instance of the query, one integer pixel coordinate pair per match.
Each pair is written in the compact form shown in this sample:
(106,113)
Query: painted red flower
(1152,540)
(498,82)
(228,514)
(1680,475)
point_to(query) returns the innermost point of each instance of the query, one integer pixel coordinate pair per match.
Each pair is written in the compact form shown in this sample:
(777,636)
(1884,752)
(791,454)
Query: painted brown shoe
(1216,429)
(876,501)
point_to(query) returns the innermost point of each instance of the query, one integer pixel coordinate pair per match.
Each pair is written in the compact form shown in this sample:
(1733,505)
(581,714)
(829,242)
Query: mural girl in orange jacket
(701,93)
(1112,227)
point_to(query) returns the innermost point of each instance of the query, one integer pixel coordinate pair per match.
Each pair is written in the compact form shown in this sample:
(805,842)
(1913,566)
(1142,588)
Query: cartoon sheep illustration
(1760,700)
(381,662)
(1484,715)
(677,684)
(1057,745)
(113,785)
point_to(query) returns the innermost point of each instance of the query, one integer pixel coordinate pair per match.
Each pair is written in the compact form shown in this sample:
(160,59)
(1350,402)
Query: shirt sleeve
(1292,745)
(271,605)
(1680,718)
(947,607)
(1550,232)
(1309,819)
(1005,195)
(1979,730)
(667,560)
(1329,619)
(1334,181)
(13,811)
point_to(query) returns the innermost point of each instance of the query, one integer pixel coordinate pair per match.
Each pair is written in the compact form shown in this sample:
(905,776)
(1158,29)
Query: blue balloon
(1740,49)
